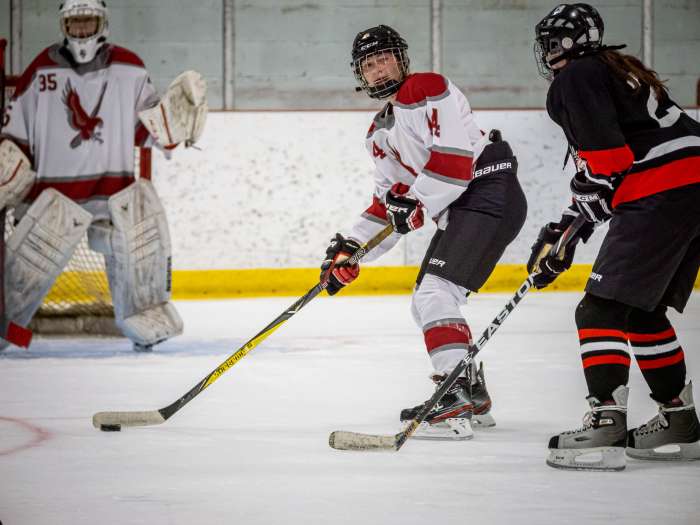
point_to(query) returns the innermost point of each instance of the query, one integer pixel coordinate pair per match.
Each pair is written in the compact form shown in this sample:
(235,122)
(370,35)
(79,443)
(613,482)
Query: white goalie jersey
(426,140)
(79,124)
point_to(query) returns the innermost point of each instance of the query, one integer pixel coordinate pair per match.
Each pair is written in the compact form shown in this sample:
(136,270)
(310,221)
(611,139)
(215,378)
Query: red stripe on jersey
(82,189)
(419,86)
(608,161)
(121,55)
(452,333)
(41,61)
(675,174)
(448,165)
(648,364)
(141,135)
(645,338)
(611,359)
(588,333)
(377,209)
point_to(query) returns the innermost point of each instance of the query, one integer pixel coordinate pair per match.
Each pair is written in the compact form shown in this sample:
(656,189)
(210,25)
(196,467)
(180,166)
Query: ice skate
(481,400)
(600,443)
(450,419)
(672,435)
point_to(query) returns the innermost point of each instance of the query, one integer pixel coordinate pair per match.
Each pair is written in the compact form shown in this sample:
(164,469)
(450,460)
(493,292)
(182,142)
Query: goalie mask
(568,31)
(85,27)
(379,61)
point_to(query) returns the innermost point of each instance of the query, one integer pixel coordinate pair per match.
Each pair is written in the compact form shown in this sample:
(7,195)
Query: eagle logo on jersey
(86,125)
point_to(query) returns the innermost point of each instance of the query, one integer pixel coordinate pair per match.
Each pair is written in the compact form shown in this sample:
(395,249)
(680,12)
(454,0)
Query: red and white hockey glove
(404,212)
(336,267)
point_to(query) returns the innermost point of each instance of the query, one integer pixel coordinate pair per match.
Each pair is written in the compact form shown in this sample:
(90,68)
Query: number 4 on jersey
(377,151)
(433,123)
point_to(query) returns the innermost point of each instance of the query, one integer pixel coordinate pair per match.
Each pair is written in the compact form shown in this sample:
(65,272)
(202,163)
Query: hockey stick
(113,421)
(343,440)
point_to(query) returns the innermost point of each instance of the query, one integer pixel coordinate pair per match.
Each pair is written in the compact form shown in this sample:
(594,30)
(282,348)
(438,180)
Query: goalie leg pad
(38,251)
(138,268)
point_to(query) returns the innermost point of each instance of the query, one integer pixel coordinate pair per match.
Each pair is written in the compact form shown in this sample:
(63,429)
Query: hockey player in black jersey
(638,166)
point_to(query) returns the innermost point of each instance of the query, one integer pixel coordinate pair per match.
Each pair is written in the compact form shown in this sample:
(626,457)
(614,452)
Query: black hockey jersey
(631,142)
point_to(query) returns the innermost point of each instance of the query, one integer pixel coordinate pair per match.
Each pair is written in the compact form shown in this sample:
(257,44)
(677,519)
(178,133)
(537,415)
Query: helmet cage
(569,31)
(84,48)
(383,88)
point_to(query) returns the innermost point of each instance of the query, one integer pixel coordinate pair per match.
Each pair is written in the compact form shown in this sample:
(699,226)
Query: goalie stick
(112,421)
(343,440)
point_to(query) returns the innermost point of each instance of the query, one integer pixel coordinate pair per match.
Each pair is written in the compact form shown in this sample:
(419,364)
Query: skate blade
(597,458)
(481,421)
(671,452)
(452,429)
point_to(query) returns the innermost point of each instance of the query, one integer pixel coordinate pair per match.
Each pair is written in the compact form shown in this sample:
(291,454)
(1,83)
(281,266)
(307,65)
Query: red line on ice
(39,436)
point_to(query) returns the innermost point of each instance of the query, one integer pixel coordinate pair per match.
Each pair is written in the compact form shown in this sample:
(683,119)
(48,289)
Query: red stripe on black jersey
(448,165)
(419,86)
(672,175)
(608,161)
(83,189)
(448,334)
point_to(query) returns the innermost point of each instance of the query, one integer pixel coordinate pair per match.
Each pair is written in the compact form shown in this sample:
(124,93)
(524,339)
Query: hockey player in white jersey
(424,143)
(68,148)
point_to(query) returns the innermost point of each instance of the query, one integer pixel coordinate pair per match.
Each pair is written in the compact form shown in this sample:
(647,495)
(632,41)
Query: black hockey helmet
(568,31)
(373,41)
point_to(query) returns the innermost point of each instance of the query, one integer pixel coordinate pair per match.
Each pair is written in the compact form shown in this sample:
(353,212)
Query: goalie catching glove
(16,175)
(181,113)
(336,267)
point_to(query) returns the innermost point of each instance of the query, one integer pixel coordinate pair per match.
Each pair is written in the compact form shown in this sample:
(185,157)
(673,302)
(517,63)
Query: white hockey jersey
(426,140)
(79,124)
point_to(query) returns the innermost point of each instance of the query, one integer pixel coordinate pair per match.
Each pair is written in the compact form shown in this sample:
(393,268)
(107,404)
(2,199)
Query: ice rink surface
(253,448)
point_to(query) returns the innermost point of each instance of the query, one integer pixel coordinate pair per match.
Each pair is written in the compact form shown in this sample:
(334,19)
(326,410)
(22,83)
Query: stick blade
(127,419)
(341,440)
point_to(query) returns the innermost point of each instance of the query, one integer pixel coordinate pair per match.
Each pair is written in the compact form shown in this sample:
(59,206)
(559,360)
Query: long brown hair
(631,70)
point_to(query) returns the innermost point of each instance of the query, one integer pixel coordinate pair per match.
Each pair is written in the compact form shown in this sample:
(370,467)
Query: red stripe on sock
(447,334)
(661,362)
(645,338)
(606,360)
(588,333)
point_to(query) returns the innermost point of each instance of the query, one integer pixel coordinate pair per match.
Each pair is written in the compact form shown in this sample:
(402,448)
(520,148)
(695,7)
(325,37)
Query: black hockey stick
(111,421)
(342,440)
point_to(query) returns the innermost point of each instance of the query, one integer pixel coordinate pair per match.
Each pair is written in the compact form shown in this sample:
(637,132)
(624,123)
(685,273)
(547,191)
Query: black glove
(591,199)
(548,267)
(336,267)
(405,213)
(496,157)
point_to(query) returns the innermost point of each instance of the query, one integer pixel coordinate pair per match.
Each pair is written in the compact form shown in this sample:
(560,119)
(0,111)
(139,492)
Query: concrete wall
(294,54)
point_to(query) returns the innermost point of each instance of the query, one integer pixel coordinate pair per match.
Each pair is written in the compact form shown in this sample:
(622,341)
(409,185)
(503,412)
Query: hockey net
(79,302)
